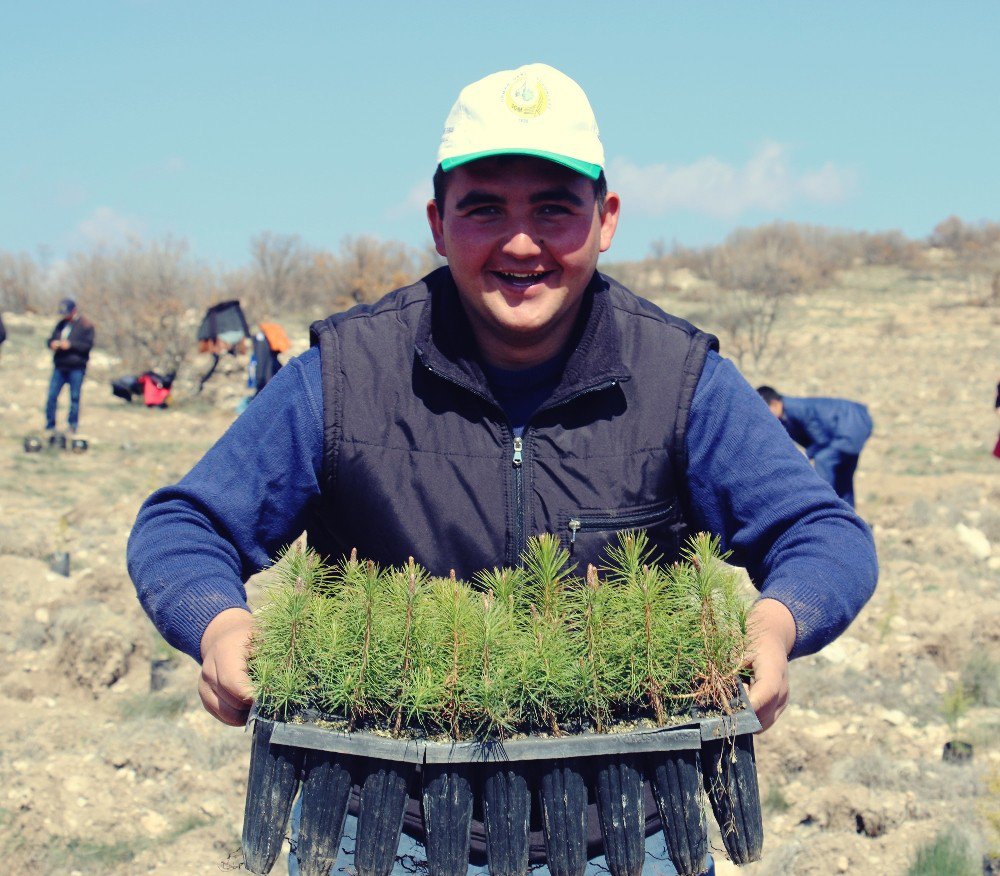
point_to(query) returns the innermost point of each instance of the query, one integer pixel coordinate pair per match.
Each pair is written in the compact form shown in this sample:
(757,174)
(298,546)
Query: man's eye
(553,210)
(486,210)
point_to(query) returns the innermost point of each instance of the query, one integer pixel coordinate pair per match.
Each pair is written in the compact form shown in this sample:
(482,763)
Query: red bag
(154,392)
(996,448)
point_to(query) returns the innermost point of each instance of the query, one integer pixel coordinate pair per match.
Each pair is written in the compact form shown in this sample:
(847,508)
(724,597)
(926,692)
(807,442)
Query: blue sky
(215,121)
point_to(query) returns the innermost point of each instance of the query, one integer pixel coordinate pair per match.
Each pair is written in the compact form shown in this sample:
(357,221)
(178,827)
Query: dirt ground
(109,765)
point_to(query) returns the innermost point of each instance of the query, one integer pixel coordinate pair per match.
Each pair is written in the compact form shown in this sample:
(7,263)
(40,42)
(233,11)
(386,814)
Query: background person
(832,430)
(71,341)
(514,392)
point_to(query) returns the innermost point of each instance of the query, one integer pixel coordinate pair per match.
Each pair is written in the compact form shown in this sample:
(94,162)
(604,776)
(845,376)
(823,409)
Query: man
(514,392)
(832,431)
(71,341)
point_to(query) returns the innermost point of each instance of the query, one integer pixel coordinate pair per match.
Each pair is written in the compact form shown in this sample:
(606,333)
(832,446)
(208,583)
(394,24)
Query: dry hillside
(109,765)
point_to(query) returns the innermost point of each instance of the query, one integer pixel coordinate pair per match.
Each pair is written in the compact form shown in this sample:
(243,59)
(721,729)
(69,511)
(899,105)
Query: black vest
(420,461)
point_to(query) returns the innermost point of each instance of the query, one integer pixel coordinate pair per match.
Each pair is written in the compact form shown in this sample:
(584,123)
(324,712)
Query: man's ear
(609,219)
(436,222)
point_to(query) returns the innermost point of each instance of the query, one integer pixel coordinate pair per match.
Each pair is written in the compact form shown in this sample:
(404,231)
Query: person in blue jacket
(831,430)
(516,391)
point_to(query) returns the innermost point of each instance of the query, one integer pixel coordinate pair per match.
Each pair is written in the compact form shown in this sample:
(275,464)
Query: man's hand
(772,637)
(225,687)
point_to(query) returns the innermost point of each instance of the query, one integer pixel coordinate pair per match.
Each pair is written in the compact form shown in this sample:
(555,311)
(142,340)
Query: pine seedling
(641,625)
(284,637)
(546,564)
(405,593)
(723,622)
(507,585)
(361,595)
(450,624)
(491,696)
(592,607)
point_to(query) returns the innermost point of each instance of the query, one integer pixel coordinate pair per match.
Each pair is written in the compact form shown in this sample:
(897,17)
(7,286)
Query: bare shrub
(759,271)
(21,287)
(287,276)
(889,248)
(365,268)
(283,275)
(965,238)
(145,300)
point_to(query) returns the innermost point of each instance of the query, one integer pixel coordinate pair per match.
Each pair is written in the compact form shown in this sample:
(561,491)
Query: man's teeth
(517,276)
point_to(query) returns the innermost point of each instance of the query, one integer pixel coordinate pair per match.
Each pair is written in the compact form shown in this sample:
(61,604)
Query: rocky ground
(109,765)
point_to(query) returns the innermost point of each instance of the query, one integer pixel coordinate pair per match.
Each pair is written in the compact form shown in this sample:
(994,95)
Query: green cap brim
(591,171)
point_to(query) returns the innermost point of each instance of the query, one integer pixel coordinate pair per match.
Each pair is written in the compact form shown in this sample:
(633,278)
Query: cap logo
(526,98)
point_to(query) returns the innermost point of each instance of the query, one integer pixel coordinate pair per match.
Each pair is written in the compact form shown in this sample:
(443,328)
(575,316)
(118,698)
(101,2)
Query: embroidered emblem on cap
(526,98)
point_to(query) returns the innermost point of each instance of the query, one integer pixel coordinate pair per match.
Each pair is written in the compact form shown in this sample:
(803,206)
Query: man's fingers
(227,706)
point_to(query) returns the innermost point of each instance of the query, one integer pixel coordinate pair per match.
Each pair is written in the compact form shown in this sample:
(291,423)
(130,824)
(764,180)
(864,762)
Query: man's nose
(522,243)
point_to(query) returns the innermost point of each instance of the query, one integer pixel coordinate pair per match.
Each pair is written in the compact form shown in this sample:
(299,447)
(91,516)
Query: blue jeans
(837,469)
(411,857)
(60,377)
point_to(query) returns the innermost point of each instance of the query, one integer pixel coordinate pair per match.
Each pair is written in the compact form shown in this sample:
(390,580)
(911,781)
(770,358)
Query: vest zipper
(616,522)
(519,544)
(517,461)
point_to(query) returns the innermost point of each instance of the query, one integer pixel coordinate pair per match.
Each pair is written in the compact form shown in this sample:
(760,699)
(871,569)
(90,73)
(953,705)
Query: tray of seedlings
(528,688)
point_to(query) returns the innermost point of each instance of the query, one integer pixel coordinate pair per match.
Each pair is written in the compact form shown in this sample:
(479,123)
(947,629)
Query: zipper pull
(518,444)
(574,525)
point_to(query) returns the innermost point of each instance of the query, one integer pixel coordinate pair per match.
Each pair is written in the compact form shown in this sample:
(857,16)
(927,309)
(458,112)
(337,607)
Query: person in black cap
(71,341)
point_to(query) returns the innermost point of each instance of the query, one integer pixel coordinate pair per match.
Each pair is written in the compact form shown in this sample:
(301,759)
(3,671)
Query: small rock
(42,615)
(894,717)
(154,824)
(974,539)
(842,864)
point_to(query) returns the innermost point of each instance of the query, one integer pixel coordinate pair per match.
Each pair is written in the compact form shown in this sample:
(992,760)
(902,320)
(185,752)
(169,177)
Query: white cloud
(174,164)
(714,188)
(413,204)
(106,227)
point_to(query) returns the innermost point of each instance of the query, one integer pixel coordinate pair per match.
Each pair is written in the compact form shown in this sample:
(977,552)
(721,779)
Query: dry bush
(365,268)
(965,238)
(288,276)
(758,271)
(889,248)
(145,300)
(21,287)
(283,276)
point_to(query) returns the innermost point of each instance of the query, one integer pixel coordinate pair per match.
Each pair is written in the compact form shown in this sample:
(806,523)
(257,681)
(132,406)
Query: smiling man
(515,392)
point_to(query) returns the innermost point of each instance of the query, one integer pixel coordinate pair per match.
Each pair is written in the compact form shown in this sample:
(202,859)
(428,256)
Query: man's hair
(441,187)
(769,394)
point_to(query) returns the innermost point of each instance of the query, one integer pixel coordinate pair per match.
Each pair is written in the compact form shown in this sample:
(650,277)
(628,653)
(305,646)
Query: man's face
(522,236)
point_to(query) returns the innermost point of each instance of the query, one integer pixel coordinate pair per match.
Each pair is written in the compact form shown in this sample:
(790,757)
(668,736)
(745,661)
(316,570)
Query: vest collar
(445,343)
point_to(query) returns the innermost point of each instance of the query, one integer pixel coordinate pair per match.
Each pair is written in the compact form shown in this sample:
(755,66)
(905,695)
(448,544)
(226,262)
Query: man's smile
(521,279)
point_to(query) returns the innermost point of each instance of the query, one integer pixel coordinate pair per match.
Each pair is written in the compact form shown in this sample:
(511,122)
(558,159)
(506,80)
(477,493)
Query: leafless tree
(145,300)
(21,287)
(366,268)
(758,271)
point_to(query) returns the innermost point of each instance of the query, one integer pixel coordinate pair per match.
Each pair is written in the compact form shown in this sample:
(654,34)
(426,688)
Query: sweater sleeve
(82,340)
(195,543)
(749,485)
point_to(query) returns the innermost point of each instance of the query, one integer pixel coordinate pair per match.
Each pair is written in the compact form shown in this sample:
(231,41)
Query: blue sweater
(195,543)
(820,423)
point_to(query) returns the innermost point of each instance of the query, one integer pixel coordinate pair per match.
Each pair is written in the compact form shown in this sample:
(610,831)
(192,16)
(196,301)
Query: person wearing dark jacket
(516,391)
(831,430)
(71,341)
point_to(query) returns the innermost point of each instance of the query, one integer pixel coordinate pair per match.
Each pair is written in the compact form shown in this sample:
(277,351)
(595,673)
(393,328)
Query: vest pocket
(588,531)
